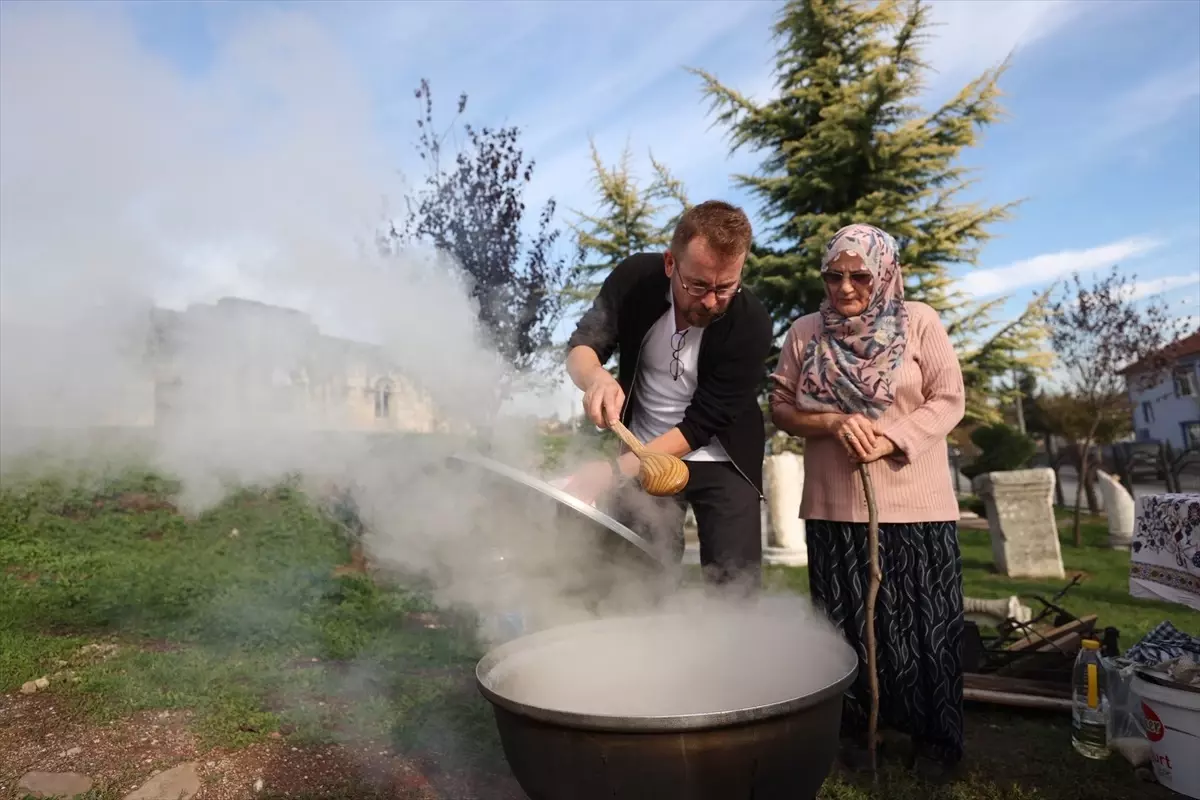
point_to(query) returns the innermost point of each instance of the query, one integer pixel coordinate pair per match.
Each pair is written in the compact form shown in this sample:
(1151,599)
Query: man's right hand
(603,399)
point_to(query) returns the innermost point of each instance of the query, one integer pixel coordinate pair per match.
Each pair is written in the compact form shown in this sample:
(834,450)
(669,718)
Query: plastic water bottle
(1089,729)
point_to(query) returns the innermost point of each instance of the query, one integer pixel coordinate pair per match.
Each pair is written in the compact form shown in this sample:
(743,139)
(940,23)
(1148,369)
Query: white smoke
(128,186)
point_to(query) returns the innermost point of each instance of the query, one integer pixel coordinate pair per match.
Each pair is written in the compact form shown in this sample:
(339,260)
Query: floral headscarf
(849,366)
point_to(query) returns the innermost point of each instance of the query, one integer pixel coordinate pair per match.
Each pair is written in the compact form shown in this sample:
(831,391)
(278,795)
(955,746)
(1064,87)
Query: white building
(1169,411)
(244,363)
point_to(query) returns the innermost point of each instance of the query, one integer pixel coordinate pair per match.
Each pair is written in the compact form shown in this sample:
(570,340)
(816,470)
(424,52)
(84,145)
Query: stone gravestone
(1020,512)
(1119,505)
(783,482)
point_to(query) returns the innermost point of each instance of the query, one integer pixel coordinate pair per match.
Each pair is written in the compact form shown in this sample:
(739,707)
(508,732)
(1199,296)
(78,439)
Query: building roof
(1179,349)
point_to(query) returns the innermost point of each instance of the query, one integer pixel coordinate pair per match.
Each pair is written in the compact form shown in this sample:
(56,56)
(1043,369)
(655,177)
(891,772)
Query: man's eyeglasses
(676,347)
(862,279)
(700,290)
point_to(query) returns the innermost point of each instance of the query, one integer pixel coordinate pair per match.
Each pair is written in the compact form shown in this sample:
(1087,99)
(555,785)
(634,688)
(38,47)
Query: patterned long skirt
(918,624)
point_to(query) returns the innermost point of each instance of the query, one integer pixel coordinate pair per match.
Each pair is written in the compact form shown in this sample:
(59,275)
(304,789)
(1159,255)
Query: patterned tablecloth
(1165,556)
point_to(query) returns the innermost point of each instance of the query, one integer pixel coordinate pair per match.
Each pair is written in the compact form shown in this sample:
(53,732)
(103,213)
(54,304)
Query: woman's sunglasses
(862,279)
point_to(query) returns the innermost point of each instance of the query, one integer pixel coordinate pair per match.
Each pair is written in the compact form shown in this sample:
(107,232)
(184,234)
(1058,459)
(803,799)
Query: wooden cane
(874,582)
(661,474)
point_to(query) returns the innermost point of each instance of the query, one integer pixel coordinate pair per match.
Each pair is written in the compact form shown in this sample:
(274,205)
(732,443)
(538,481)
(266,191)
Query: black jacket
(732,360)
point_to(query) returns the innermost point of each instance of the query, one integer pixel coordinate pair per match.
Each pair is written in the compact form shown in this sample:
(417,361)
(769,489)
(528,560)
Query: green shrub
(1002,448)
(973,503)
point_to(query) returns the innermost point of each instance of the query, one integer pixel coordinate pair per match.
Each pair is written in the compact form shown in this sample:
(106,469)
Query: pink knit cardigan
(913,484)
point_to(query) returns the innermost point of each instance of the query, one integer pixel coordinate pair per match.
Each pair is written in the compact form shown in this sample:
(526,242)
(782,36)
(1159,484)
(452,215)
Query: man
(692,346)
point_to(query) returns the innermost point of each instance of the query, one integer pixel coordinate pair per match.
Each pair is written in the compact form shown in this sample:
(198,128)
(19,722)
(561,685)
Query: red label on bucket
(1154,726)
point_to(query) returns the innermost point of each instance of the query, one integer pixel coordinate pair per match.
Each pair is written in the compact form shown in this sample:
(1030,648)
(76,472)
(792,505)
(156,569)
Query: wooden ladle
(661,474)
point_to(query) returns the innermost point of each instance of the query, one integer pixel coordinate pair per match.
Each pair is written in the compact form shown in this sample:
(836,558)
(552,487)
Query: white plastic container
(1172,724)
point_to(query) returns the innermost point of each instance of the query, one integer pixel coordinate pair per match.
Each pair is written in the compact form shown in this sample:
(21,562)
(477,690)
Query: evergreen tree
(845,141)
(990,354)
(629,220)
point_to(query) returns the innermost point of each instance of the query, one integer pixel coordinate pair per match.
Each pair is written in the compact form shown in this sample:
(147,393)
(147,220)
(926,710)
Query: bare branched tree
(1097,331)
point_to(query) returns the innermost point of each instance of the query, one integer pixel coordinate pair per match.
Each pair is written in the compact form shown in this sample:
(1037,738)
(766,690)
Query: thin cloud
(1156,286)
(970,36)
(607,85)
(1150,105)
(1047,267)
(967,37)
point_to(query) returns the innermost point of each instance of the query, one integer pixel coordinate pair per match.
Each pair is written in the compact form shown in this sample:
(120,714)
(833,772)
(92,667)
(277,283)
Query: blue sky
(1102,134)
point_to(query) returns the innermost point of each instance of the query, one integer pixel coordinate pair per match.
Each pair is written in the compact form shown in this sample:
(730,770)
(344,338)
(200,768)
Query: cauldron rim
(672,723)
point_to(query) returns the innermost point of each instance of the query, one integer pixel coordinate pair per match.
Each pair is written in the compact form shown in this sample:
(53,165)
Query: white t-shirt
(661,398)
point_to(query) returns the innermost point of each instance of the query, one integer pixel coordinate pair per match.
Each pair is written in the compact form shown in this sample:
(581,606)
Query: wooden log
(1022,686)
(1058,646)
(1069,643)
(1082,625)
(1033,664)
(1017,700)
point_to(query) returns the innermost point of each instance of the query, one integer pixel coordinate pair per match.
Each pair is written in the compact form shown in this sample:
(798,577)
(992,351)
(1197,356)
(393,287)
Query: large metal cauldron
(779,746)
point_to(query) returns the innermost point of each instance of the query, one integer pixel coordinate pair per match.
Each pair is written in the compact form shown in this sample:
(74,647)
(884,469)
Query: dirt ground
(41,732)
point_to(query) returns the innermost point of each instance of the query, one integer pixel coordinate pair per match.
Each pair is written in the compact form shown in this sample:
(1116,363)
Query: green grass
(1103,589)
(1014,755)
(253,632)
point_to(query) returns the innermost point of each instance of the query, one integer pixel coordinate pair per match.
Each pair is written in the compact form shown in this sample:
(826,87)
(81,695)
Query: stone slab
(1021,521)
(783,484)
(1121,510)
(178,783)
(53,784)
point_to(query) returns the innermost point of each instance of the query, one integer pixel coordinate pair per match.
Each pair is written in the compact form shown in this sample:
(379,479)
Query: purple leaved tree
(471,205)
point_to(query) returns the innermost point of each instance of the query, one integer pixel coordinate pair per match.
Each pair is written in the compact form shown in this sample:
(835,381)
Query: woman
(871,378)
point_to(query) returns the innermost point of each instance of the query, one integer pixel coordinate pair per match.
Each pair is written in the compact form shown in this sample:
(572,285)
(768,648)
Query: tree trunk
(1078,534)
(1089,489)
(1081,479)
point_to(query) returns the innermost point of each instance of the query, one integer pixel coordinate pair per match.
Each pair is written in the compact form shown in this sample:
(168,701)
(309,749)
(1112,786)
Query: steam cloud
(127,185)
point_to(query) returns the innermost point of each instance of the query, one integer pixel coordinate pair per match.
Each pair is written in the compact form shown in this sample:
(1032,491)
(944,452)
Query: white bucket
(1172,724)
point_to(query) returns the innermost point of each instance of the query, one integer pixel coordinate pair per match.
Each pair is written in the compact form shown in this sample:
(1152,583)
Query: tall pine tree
(630,219)
(845,141)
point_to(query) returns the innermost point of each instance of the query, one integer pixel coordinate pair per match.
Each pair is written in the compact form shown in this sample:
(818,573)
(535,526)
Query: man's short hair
(724,226)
